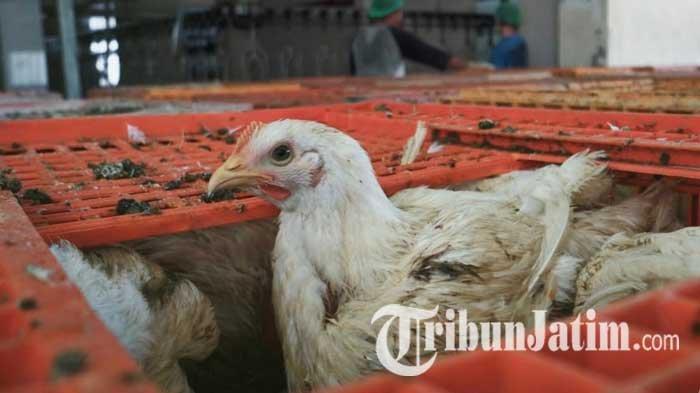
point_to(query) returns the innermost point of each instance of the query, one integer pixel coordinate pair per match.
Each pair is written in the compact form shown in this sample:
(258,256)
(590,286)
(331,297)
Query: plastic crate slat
(38,331)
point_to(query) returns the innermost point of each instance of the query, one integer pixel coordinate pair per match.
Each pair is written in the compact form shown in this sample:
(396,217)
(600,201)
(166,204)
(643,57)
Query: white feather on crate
(414,144)
(135,135)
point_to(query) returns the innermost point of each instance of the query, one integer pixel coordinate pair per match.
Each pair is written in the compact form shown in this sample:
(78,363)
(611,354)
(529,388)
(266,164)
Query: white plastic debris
(614,127)
(136,135)
(40,273)
(435,147)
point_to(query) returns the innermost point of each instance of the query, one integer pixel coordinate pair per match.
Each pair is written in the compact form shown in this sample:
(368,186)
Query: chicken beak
(233,174)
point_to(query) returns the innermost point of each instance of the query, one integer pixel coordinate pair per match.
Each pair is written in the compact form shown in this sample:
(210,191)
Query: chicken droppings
(9,183)
(221,134)
(139,145)
(28,303)
(172,185)
(37,197)
(68,363)
(218,196)
(193,177)
(382,108)
(189,177)
(486,124)
(119,170)
(132,206)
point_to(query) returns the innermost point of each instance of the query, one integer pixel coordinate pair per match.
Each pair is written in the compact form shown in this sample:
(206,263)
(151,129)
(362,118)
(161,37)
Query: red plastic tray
(50,341)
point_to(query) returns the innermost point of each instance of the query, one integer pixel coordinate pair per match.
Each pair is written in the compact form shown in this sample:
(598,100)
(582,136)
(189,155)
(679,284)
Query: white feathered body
(476,258)
(158,318)
(629,264)
(117,299)
(654,210)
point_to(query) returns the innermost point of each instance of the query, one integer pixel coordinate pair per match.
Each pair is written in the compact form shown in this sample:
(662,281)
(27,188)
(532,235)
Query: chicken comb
(247,135)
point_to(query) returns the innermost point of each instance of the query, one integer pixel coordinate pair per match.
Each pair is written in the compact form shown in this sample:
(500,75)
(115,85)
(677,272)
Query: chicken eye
(281,155)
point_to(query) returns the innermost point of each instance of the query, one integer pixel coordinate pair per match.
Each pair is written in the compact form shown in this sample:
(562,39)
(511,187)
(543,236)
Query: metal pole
(69,48)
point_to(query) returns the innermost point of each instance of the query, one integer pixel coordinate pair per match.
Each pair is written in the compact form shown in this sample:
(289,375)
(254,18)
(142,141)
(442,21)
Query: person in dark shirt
(511,50)
(379,49)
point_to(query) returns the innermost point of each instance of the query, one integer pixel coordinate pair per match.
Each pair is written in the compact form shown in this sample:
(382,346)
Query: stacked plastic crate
(52,342)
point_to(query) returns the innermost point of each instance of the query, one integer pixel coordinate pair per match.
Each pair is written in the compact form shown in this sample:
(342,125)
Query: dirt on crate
(8,182)
(132,206)
(36,197)
(118,170)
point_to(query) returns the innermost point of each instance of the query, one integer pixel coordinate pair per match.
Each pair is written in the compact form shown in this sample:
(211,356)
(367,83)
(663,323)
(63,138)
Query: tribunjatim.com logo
(418,328)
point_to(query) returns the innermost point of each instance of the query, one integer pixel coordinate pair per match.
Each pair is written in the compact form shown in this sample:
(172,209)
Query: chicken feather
(631,264)
(158,318)
(653,210)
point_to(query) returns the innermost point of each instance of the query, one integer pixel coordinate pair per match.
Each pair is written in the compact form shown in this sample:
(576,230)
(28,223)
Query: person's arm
(415,49)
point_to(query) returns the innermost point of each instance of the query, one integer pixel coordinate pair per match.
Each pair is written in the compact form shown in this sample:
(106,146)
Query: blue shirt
(510,52)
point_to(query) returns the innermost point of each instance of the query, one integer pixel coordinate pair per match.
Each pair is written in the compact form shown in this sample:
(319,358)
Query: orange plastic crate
(53,155)
(50,341)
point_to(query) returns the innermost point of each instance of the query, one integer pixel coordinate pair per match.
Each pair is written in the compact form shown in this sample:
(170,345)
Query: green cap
(509,14)
(383,8)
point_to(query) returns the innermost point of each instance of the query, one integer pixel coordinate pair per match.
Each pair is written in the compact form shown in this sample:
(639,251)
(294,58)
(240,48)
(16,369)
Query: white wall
(582,33)
(22,54)
(653,32)
(540,30)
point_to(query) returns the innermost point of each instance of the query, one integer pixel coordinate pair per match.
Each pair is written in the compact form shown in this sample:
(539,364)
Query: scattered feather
(39,272)
(135,135)
(412,148)
(614,127)
(435,147)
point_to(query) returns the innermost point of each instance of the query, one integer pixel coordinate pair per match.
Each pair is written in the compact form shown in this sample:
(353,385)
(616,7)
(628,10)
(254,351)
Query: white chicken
(631,264)
(651,211)
(344,249)
(158,318)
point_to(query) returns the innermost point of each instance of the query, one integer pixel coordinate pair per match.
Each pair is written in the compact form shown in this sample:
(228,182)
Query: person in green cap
(511,50)
(379,48)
